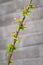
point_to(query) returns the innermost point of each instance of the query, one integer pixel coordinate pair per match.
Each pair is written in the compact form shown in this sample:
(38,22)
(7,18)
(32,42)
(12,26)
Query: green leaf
(19,20)
(11,61)
(9,46)
(8,50)
(13,34)
(15,39)
(22,27)
(15,47)
(29,11)
(31,5)
(22,10)
(26,14)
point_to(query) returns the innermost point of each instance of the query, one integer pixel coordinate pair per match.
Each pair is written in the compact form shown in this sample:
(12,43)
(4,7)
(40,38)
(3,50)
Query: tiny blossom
(24,22)
(18,17)
(15,19)
(20,37)
(36,5)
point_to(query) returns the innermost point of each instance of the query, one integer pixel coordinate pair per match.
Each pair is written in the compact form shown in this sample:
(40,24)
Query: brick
(41,15)
(41,2)
(29,52)
(27,61)
(6,31)
(34,61)
(41,50)
(33,27)
(41,61)
(2,56)
(35,39)
(3,63)
(4,1)
(18,62)
(7,8)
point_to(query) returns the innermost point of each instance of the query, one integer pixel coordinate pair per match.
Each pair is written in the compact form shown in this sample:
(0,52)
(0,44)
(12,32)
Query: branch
(17,32)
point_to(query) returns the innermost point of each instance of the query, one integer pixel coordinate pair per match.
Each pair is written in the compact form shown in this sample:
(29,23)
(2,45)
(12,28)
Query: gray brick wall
(30,51)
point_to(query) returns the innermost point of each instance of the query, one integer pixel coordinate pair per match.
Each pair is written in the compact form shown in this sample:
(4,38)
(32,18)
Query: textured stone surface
(41,50)
(30,51)
(35,39)
(12,6)
(41,61)
(3,1)
(31,62)
(41,2)
(27,52)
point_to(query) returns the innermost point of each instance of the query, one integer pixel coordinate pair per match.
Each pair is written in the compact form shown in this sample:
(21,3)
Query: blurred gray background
(30,51)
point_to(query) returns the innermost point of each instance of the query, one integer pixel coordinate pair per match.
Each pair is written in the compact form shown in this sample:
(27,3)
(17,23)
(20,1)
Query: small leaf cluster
(31,5)
(26,11)
(19,20)
(9,47)
(10,61)
(13,34)
(22,27)
(17,40)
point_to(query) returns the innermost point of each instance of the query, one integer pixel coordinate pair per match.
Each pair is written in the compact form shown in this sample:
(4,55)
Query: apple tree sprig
(11,47)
